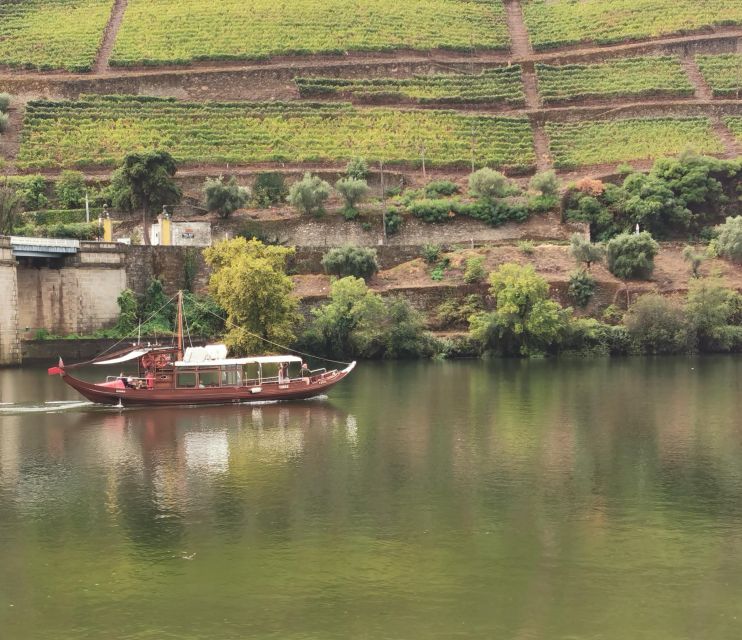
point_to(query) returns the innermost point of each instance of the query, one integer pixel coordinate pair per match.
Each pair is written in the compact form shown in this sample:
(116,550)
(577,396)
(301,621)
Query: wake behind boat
(170,375)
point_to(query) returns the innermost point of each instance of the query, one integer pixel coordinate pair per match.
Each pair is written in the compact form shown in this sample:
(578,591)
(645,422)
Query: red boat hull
(294,390)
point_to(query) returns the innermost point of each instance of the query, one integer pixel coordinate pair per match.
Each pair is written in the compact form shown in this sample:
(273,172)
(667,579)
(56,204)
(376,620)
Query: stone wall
(168,264)
(10,351)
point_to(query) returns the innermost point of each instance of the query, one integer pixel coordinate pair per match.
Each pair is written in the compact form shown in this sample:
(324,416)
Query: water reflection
(508,499)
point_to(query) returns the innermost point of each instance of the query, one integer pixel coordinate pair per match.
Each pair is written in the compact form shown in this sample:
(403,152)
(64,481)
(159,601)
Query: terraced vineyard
(559,23)
(576,144)
(500,85)
(723,74)
(623,77)
(183,31)
(101,130)
(735,124)
(52,34)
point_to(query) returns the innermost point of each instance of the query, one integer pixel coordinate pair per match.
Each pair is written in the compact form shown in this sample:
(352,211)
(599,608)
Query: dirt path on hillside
(700,86)
(731,144)
(520,43)
(109,37)
(541,146)
(10,139)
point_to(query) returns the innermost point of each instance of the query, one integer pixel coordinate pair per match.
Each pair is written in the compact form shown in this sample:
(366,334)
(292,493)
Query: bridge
(43,247)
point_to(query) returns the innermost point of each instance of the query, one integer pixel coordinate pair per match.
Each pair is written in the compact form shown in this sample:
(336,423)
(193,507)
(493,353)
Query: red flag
(58,370)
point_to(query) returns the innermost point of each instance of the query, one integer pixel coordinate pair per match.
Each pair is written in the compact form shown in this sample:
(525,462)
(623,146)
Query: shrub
(475,271)
(439,188)
(546,183)
(526,247)
(269,189)
(393,221)
(309,194)
(581,288)
(10,204)
(488,184)
(729,239)
(224,199)
(357,169)
(405,335)
(352,190)
(4,102)
(632,255)
(430,252)
(455,313)
(70,189)
(351,261)
(439,210)
(3,122)
(583,250)
(711,309)
(525,321)
(694,259)
(34,193)
(658,325)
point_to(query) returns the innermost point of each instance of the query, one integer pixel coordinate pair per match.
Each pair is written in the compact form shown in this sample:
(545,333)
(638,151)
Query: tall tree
(145,182)
(249,282)
(10,205)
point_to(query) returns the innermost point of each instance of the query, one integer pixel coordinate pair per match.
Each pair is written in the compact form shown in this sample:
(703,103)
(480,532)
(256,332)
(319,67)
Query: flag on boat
(58,370)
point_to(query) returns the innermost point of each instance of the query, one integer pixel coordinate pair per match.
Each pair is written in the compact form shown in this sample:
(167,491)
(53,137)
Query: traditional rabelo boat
(172,375)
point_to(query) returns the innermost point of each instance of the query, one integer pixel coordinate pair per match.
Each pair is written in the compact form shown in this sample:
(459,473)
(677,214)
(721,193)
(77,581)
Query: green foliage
(52,34)
(190,268)
(488,184)
(249,282)
(722,73)
(581,288)
(694,259)
(352,190)
(269,189)
(475,271)
(4,120)
(546,183)
(4,102)
(492,212)
(729,239)
(525,321)
(128,313)
(499,85)
(309,194)
(393,220)
(558,23)
(584,251)
(77,133)
(224,198)
(585,142)
(654,76)
(203,316)
(145,182)
(226,31)
(526,247)
(439,210)
(658,325)
(631,256)
(454,313)
(438,188)
(357,169)
(431,252)
(70,189)
(356,322)
(713,311)
(10,205)
(351,261)
(34,193)
(438,271)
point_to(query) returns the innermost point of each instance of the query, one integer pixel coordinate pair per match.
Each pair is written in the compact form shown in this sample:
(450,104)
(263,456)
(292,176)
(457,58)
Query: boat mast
(180,325)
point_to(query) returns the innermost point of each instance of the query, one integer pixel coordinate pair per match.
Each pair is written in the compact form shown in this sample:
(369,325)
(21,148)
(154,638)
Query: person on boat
(283,371)
(305,372)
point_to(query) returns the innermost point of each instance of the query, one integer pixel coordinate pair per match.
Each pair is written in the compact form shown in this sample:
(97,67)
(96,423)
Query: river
(570,499)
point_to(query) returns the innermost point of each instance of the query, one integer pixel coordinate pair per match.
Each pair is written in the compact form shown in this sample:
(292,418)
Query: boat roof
(239,361)
(132,355)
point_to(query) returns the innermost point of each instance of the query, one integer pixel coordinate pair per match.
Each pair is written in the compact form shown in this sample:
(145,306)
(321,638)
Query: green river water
(570,500)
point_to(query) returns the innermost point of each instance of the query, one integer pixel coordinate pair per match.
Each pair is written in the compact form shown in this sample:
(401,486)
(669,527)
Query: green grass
(557,23)
(723,74)
(99,131)
(623,77)
(500,85)
(182,31)
(52,34)
(576,144)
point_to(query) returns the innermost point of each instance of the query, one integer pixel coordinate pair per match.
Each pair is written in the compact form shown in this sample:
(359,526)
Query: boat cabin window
(186,379)
(251,374)
(208,378)
(231,377)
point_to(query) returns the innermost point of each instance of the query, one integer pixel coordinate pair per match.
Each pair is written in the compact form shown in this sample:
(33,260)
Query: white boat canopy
(132,355)
(223,362)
